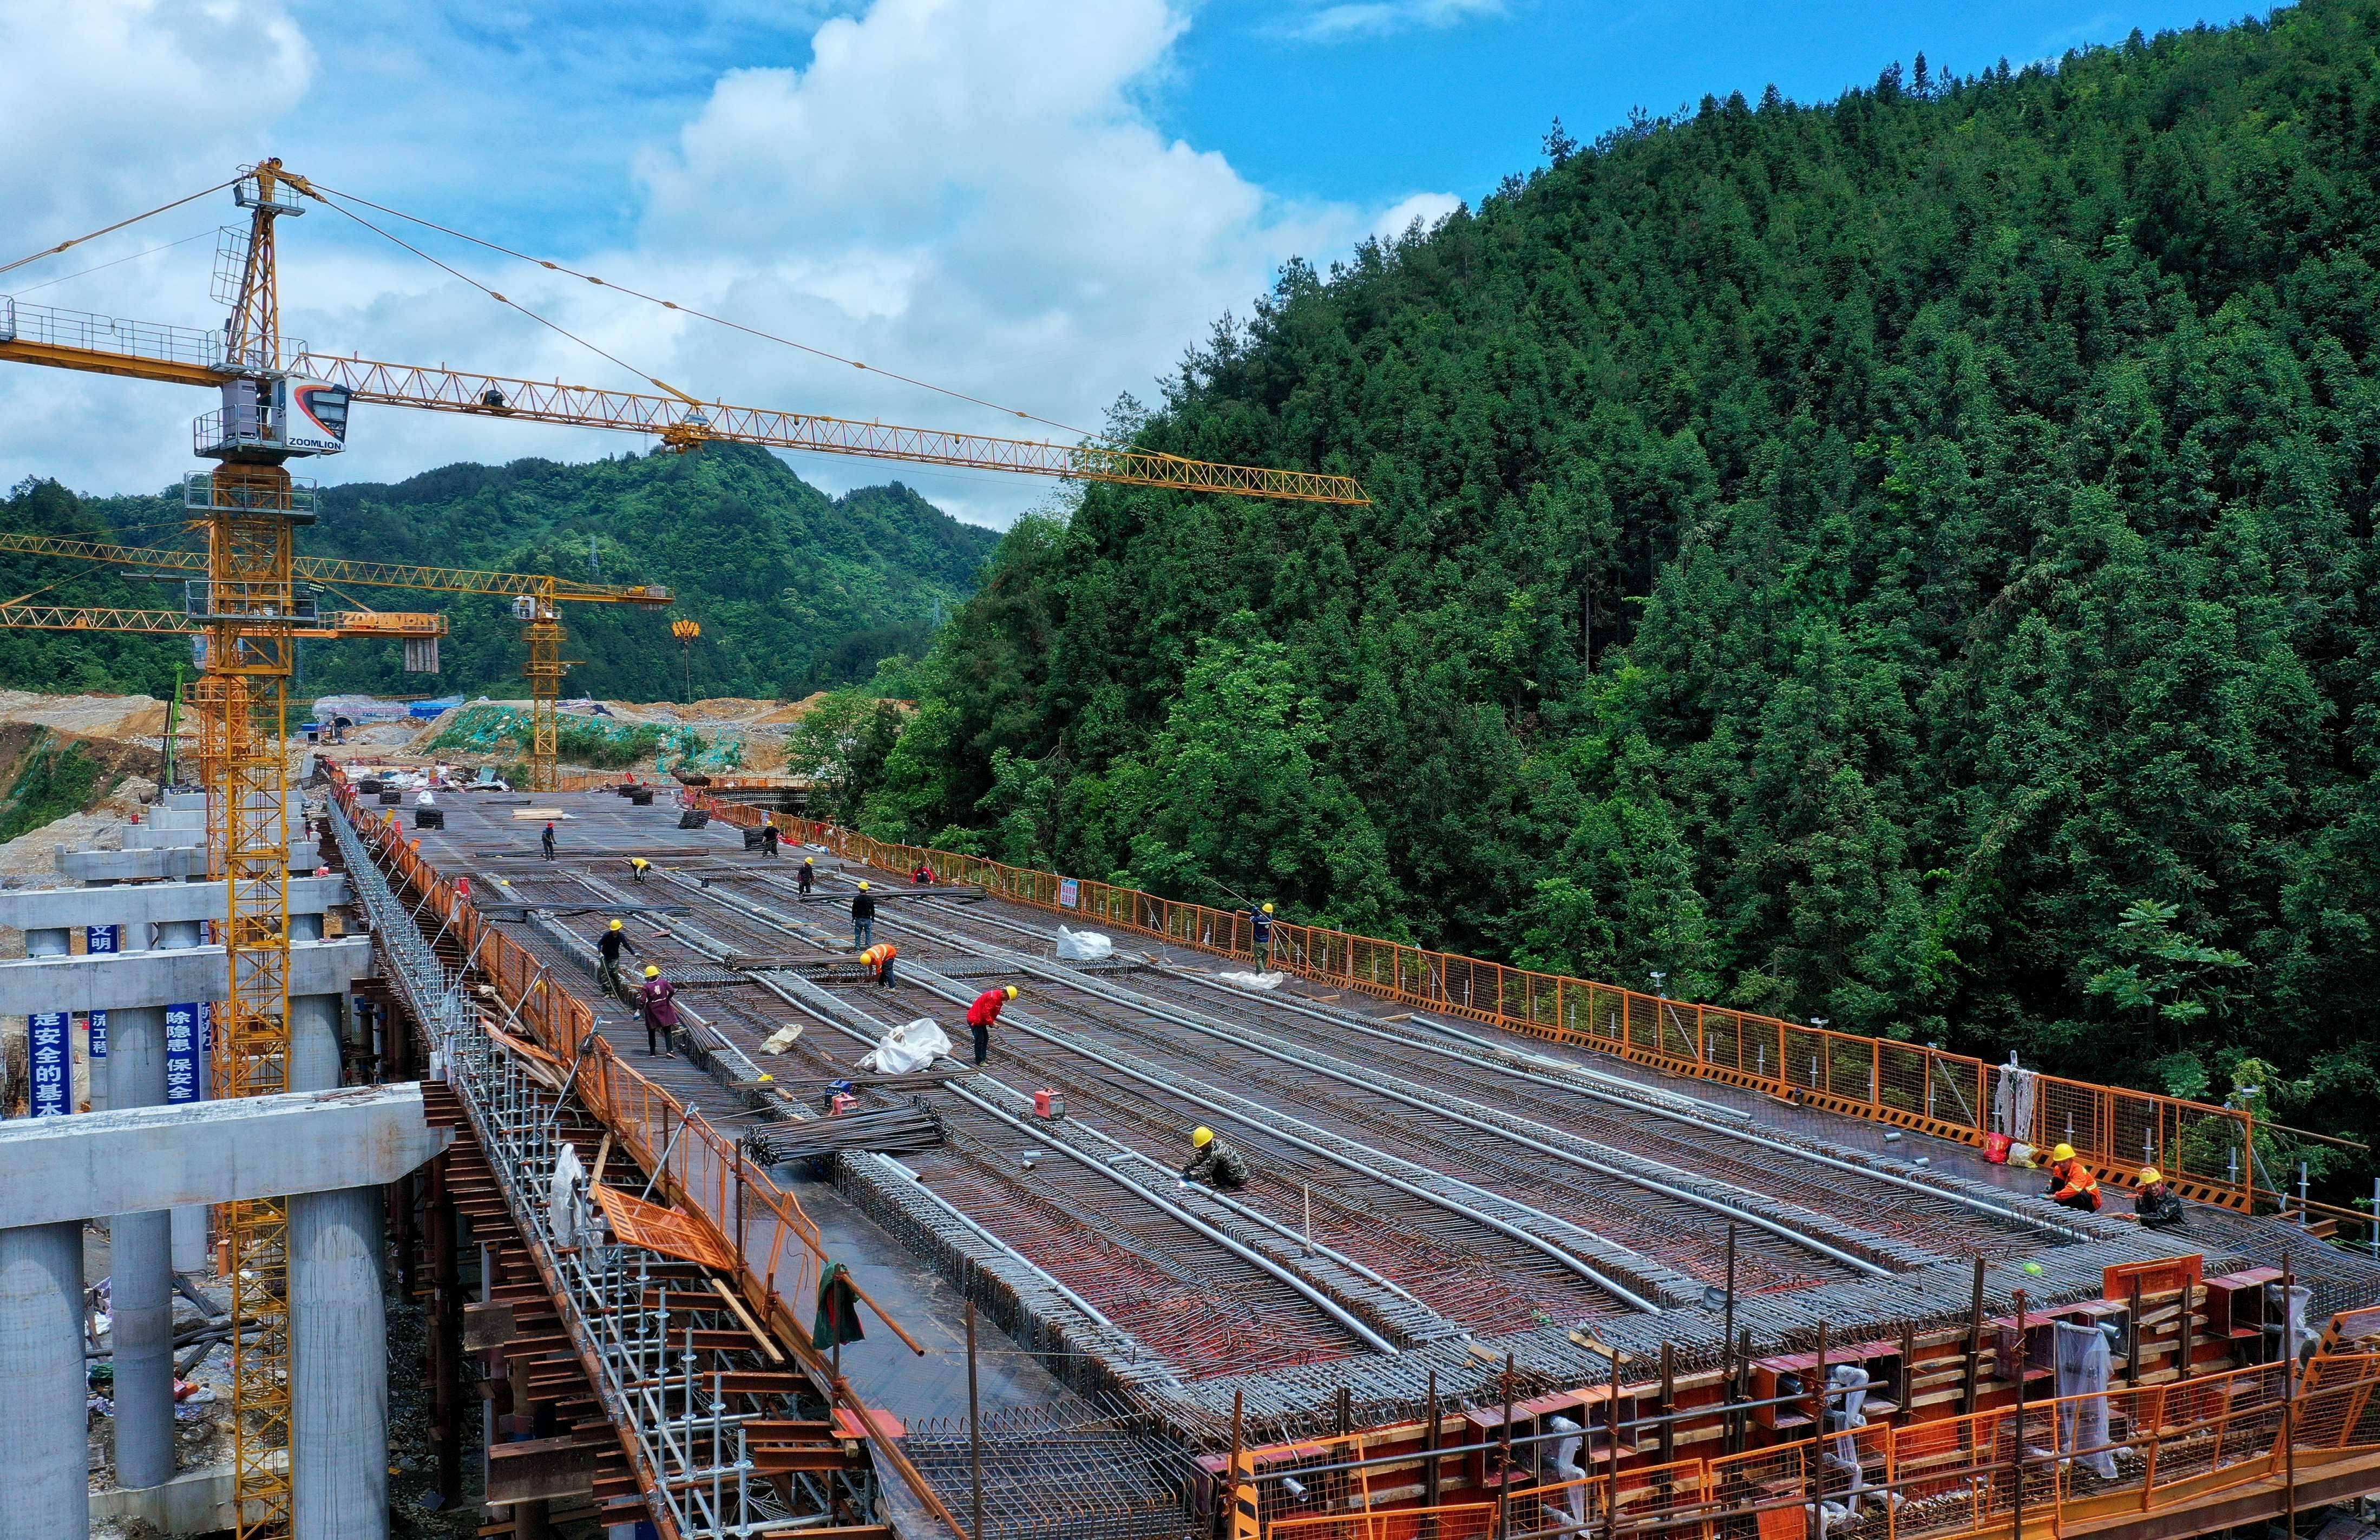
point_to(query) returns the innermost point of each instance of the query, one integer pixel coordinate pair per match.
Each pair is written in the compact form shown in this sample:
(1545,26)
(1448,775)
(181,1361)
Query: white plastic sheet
(906,1049)
(783,1039)
(562,1197)
(1083,946)
(2082,1397)
(2013,1100)
(1253,980)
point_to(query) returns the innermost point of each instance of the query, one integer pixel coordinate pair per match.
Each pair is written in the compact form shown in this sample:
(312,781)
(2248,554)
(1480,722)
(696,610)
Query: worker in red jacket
(658,1000)
(982,1014)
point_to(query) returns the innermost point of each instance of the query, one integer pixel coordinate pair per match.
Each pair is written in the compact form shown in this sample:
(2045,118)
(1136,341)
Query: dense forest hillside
(1907,560)
(796,591)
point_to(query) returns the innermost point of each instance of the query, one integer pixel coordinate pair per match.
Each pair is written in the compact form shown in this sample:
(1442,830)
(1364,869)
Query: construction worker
(878,961)
(1217,1164)
(863,918)
(768,839)
(610,944)
(637,867)
(982,1015)
(1260,922)
(658,999)
(2070,1181)
(2157,1206)
(808,875)
(546,838)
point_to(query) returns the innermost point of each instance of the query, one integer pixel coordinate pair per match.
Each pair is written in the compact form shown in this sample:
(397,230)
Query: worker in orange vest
(2070,1181)
(878,961)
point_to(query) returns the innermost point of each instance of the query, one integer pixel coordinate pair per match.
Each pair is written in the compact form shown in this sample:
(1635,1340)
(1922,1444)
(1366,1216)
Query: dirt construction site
(1444,1220)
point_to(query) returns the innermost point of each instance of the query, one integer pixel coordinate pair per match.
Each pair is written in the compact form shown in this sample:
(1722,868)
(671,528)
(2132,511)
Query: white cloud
(1429,208)
(118,105)
(970,194)
(1337,19)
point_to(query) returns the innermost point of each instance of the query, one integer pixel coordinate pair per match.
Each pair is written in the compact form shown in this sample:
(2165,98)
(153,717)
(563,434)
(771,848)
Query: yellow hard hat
(639,861)
(1011,991)
(616,924)
(1202,1136)
(651,972)
(2151,1176)
(2064,1152)
(862,887)
(1268,908)
(808,862)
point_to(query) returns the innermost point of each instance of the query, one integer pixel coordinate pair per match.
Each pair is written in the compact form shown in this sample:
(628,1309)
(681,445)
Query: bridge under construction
(1498,1271)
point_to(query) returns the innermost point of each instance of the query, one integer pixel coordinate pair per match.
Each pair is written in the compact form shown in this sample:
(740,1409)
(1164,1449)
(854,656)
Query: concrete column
(142,1271)
(42,1419)
(190,1223)
(339,1389)
(316,1023)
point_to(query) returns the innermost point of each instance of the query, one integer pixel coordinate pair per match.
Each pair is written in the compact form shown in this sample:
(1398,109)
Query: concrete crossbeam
(184,802)
(132,865)
(163,905)
(63,1170)
(150,836)
(110,981)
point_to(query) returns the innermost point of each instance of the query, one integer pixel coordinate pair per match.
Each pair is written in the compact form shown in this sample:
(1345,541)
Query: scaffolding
(633,1315)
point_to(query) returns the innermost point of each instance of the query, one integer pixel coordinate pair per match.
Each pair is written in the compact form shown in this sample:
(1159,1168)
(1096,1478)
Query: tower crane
(281,401)
(537,600)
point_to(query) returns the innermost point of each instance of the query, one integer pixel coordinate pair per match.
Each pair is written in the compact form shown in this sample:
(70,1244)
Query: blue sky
(1040,203)
(1335,112)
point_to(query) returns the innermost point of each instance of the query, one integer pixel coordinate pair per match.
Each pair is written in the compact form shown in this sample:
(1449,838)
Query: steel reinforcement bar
(2201,1147)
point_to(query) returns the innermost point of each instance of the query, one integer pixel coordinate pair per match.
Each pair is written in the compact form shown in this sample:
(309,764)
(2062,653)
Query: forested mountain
(1907,560)
(795,590)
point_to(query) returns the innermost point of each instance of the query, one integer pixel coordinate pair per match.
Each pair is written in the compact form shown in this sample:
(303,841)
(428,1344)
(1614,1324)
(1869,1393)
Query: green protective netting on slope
(604,743)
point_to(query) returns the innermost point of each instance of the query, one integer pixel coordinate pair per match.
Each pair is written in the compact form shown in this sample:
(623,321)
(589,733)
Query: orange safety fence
(2202,1149)
(2085,1458)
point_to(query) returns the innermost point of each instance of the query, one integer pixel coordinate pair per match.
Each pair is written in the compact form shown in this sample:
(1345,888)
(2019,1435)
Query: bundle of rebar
(883,1131)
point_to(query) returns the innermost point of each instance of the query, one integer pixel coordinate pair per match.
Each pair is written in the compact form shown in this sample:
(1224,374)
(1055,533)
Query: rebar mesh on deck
(1059,1474)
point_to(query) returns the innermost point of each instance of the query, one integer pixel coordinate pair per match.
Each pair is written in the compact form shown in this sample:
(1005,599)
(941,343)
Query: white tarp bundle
(2082,1398)
(783,1039)
(562,1197)
(906,1049)
(1253,980)
(1083,946)
(2013,1100)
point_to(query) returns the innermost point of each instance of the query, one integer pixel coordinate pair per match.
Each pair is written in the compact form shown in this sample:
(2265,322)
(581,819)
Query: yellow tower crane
(537,603)
(281,402)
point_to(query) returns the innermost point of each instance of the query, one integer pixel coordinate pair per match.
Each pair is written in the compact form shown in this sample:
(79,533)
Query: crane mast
(251,509)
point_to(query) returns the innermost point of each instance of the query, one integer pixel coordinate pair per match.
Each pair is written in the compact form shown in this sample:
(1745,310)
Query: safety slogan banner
(181,1053)
(98,1020)
(1069,893)
(100,939)
(53,1057)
